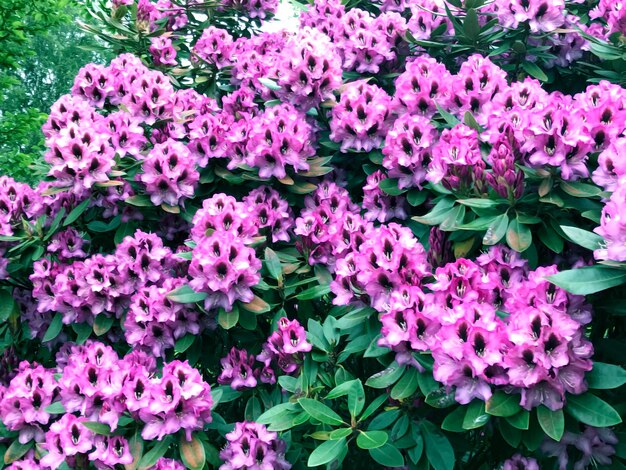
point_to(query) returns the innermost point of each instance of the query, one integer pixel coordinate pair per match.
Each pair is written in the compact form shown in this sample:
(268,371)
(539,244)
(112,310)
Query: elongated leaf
(56,408)
(228,320)
(534,71)
(496,230)
(503,404)
(589,409)
(406,386)
(275,411)
(98,428)
(340,433)
(390,186)
(76,212)
(478,203)
(371,439)
(54,329)
(7,304)
(471,28)
(438,449)
(327,452)
(16,451)
(186,295)
(518,236)
(584,238)
(373,406)
(388,456)
(155,453)
(589,279)
(552,422)
(475,416)
(272,262)
(386,377)
(320,412)
(314,292)
(192,453)
(182,344)
(356,398)
(606,376)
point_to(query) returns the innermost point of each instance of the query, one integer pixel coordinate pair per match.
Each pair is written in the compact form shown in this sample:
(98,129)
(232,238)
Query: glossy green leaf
(320,412)
(475,416)
(388,456)
(390,186)
(327,452)
(518,236)
(387,377)
(186,295)
(606,376)
(589,279)
(496,230)
(589,409)
(406,386)
(583,238)
(503,404)
(76,212)
(438,448)
(552,422)
(371,439)
(56,325)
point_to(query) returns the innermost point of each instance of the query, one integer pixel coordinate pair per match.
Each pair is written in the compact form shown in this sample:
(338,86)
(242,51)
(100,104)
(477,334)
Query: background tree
(42,49)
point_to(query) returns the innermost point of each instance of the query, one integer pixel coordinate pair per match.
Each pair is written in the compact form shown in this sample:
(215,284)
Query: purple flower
(237,370)
(362,117)
(251,445)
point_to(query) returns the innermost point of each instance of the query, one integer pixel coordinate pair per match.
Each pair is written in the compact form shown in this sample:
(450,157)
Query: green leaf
(475,416)
(320,412)
(518,236)
(269,83)
(340,433)
(478,203)
(450,119)
(272,262)
(415,197)
(520,420)
(577,189)
(503,404)
(327,452)
(552,422)
(98,428)
(275,411)
(438,449)
(371,439)
(534,71)
(56,408)
(16,451)
(83,331)
(356,398)
(606,376)
(454,421)
(142,200)
(182,344)
(373,406)
(186,295)
(386,377)
(154,454)
(583,238)
(54,329)
(192,452)
(314,292)
(471,28)
(387,455)
(76,212)
(589,409)
(588,280)
(440,398)
(406,386)
(470,121)
(102,324)
(496,230)
(7,304)
(390,186)
(228,320)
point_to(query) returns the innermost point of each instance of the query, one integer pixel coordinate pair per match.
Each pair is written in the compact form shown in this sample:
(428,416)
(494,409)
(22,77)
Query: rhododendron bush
(390,238)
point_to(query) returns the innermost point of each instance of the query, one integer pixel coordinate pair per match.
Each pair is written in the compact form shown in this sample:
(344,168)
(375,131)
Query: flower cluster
(251,445)
(95,384)
(225,268)
(101,284)
(492,322)
(362,117)
(284,347)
